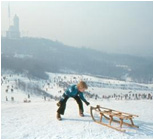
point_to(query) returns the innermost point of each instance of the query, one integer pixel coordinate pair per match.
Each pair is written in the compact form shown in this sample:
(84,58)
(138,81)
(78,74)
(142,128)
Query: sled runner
(110,115)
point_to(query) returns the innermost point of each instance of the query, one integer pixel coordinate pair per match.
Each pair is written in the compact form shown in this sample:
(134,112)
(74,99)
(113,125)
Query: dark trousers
(63,101)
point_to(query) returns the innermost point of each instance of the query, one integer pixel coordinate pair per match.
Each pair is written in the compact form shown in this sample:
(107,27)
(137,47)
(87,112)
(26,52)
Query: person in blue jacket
(76,92)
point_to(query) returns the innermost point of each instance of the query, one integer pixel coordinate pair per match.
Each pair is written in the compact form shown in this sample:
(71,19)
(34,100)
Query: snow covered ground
(37,119)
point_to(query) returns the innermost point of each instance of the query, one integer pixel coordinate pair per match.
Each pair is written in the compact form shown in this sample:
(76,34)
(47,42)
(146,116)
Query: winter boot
(81,113)
(58,104)
(59,117)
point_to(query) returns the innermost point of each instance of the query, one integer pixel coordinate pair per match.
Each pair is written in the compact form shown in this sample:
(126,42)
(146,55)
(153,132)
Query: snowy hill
(38,55)
(57,83)
(37,119)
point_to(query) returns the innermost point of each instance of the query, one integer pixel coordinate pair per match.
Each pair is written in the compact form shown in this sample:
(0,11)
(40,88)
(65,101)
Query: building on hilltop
(13,31)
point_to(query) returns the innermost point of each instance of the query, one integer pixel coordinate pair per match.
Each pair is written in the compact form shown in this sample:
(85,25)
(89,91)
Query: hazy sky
(114,27)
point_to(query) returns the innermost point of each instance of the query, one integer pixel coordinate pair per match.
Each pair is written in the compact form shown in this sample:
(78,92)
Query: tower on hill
(13,31)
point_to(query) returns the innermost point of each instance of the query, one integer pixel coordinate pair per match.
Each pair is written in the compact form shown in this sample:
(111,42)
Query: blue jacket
(73,91)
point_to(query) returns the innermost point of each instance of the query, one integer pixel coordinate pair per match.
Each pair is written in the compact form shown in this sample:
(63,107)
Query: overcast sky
(114,27)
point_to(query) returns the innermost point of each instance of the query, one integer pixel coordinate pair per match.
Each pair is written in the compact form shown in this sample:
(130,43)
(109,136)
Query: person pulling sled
(76,92)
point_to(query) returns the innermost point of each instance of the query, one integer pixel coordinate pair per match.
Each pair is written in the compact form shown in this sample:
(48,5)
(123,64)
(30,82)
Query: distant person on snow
(76,92)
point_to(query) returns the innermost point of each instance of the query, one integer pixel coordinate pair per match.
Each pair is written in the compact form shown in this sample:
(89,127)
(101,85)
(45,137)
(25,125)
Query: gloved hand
(87,103)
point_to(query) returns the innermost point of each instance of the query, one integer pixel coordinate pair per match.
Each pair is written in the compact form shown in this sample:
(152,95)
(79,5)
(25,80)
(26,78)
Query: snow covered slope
(57,83)
(37,119)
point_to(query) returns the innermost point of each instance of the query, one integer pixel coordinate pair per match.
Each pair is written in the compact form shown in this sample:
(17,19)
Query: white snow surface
(37,119)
